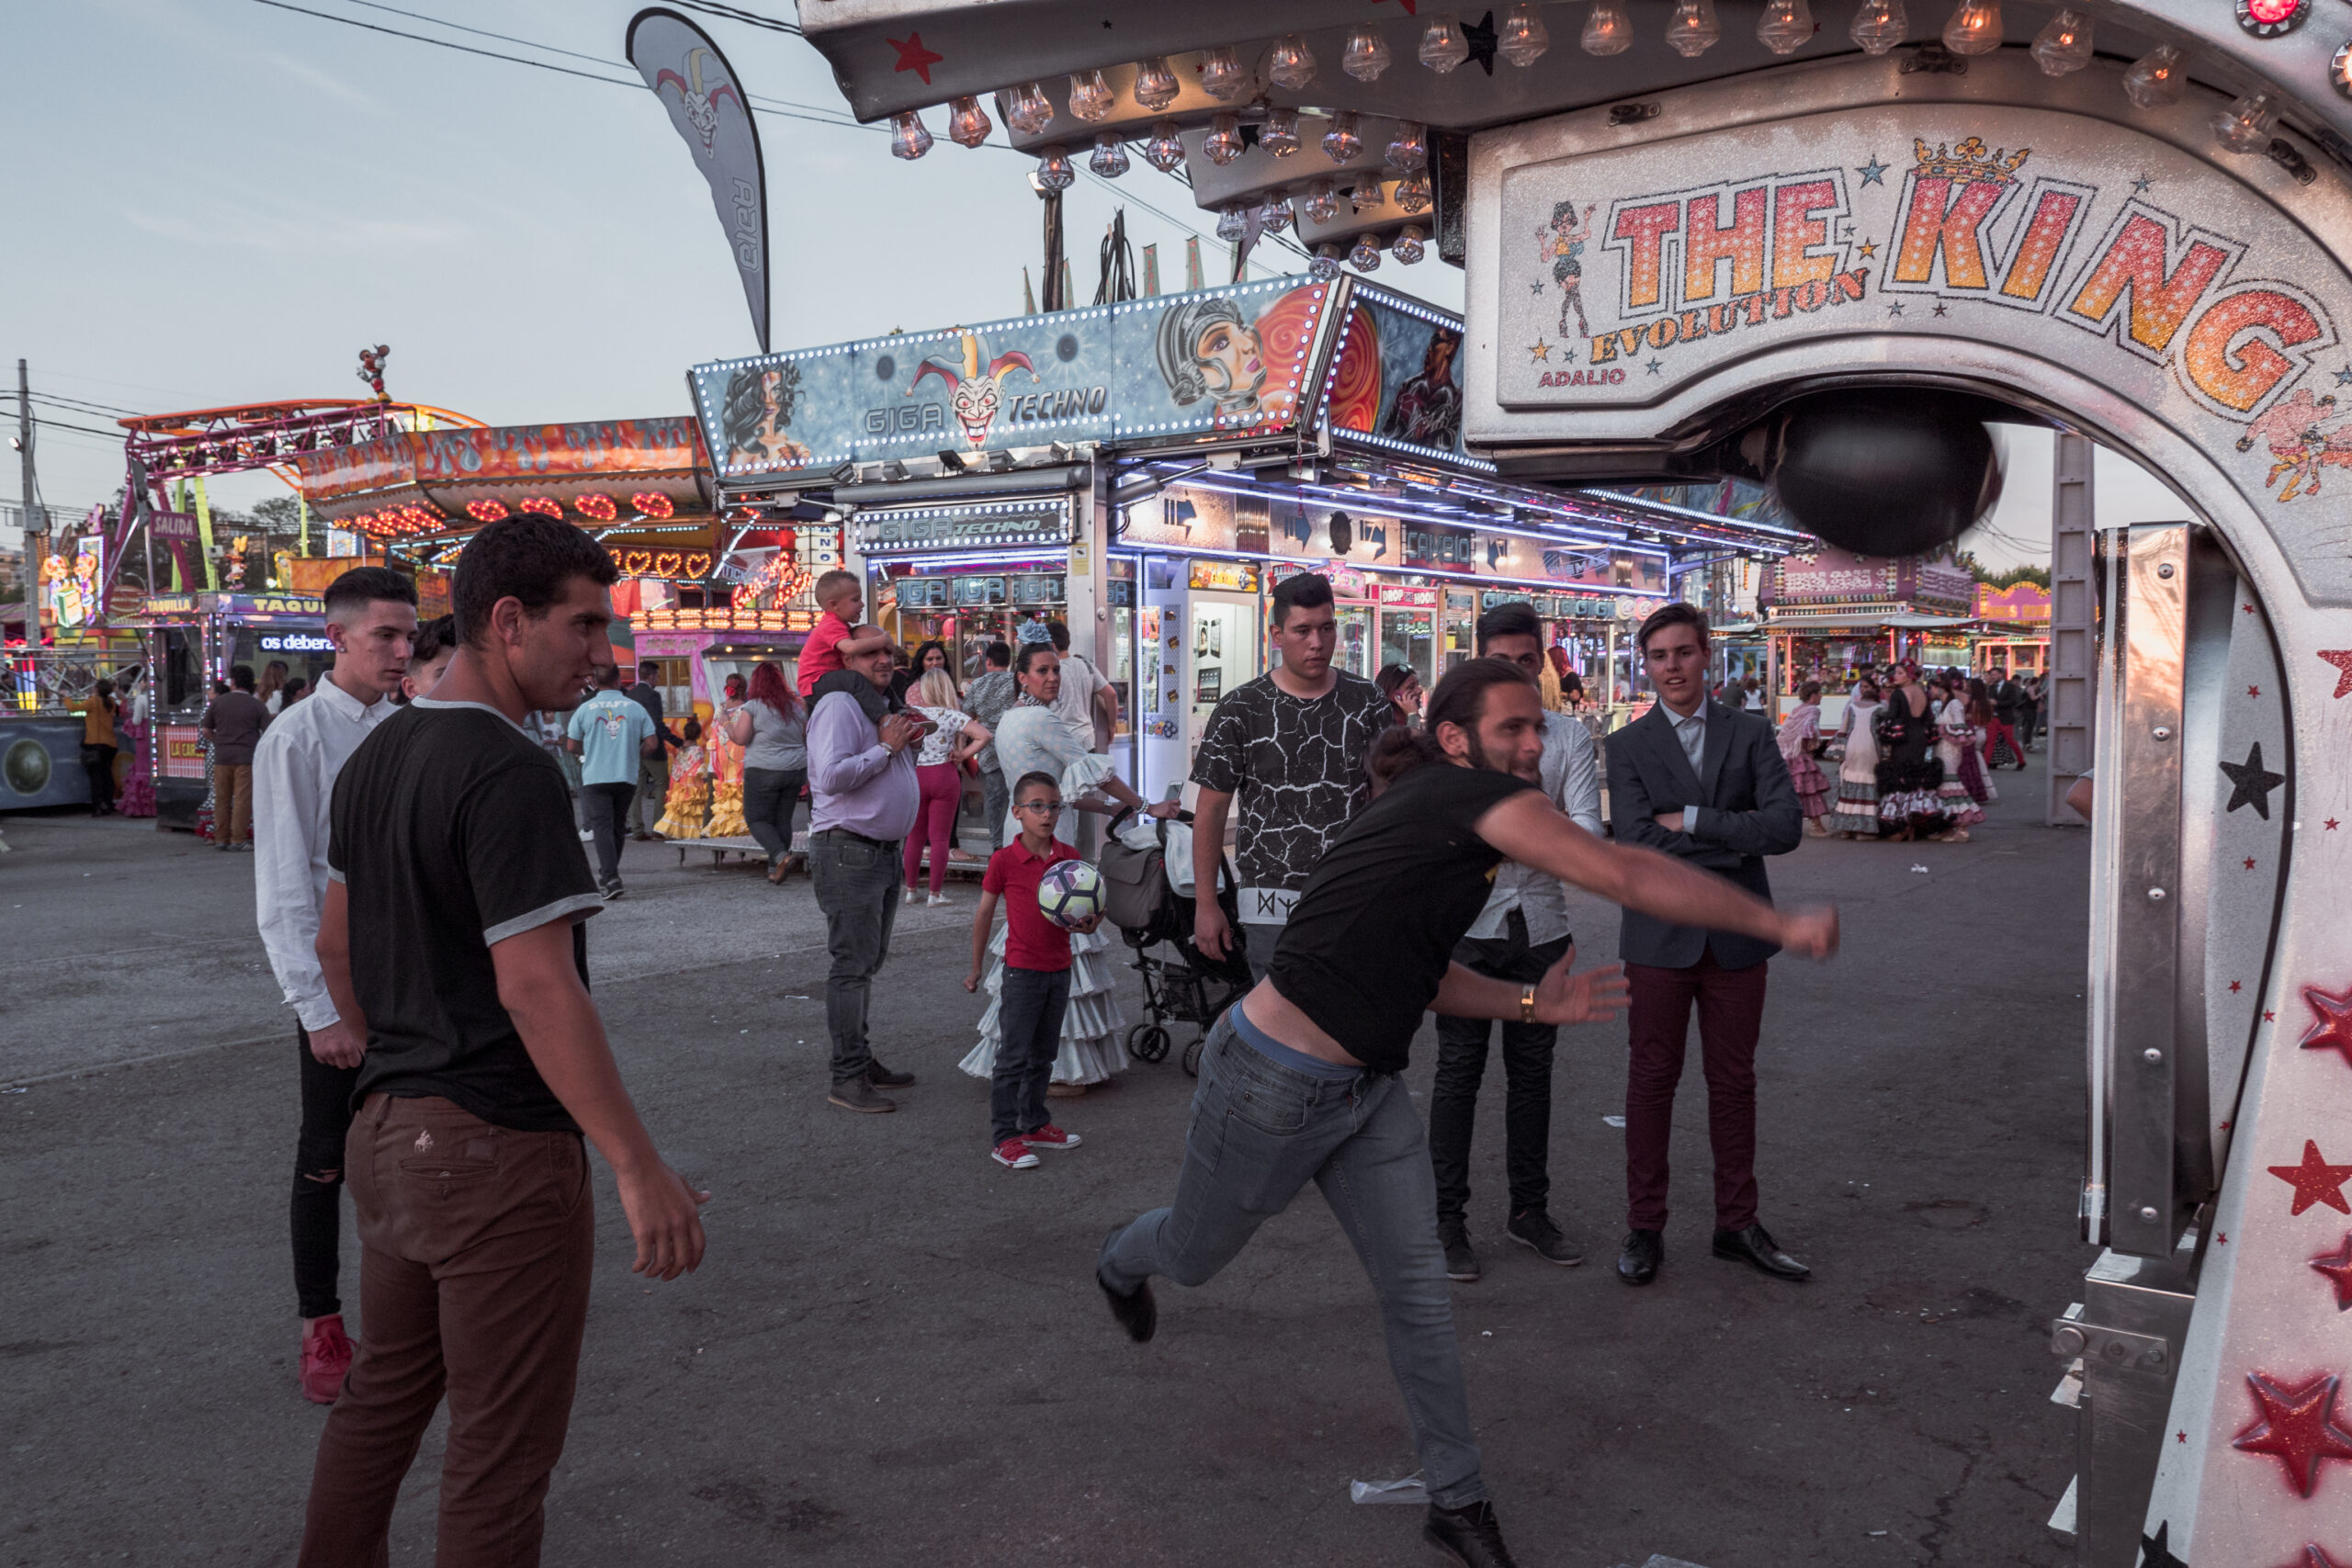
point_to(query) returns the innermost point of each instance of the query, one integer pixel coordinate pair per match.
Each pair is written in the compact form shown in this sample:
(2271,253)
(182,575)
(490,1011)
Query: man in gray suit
(1703,782)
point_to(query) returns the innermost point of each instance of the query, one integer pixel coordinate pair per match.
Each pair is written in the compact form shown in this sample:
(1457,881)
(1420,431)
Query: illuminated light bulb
(2245,125)
(1291,64)
(1367,193)
(1279,135)
(1366,258)
(1692,30)
(1110,159)
(1223,143)
(1326,264)
(1608,31)
(1155,86)
(1410,149)
(968,124)
(1974,27)
(1785,26)
(1230,225)
(1366,55)
(1222,76)
(1273,214)
(1090,96)
(1413,193)
(2064,45)
(1879,26)
(1442,49)
(1054,172)
(1028,111)
(909,138)
(1165,149)
(1342,141)
(1524,39)
(1322,202)
(2157,79)
(1408,246)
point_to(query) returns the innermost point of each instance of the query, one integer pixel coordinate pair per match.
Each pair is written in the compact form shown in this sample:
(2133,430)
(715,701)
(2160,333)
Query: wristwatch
(1527,1004)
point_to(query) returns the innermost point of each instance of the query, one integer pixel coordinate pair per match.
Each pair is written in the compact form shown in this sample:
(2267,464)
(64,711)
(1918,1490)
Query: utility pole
(34,543)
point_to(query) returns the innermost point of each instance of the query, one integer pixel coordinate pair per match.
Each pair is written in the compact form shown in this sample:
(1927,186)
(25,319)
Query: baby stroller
(1141,882)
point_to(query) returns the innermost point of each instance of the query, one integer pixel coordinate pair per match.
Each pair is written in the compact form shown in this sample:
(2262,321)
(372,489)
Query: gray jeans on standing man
(1259,1132)
(857,887)
(996,799)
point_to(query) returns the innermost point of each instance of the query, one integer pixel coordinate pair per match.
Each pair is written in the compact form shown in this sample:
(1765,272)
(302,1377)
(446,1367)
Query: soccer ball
(1070,892)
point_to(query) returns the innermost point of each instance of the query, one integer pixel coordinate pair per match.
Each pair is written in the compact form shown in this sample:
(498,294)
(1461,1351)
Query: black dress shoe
(1136,1312)
(881,1077)
(1755,1245)
(1637,1265)
(1468,1536)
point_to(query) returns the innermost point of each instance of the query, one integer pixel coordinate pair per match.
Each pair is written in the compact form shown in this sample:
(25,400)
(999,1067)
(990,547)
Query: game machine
(1407,634)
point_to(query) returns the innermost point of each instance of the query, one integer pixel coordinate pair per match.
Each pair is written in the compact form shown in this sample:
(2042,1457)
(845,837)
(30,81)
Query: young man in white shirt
(1088,703)
(371,620)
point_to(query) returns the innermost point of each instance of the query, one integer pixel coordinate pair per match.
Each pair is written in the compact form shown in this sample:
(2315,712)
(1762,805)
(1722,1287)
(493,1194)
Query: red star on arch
(2341,658)
(2236,985)
(2338,1266)
(2296,1426)
(2330,824)
(2331,1027)
(2253,691)
(2249,862)
(913,57)
(2315,1181)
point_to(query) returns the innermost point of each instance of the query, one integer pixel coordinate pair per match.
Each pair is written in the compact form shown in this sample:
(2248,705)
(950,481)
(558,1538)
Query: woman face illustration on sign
(758,413)
(1208,350)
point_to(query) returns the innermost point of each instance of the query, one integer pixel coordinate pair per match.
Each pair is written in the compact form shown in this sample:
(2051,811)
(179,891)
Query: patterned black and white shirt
(1296,767)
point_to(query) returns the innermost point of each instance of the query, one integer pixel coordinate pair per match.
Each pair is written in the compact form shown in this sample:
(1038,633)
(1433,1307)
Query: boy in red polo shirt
(843,602)
(1036,976)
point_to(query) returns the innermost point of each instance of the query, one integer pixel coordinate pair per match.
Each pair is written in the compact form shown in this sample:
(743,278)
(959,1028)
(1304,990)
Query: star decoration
(1537,350)
(2235,986)
(1867,249)
(2315,1180)
(2140,186)
(2222,1239)
(2154,1554)
(1942,309)
(1535,288)
(2338,1266)
(2296,1427)
(1894,308)
(2248,608)
(1872,172)
(2344,377)
(2249,862)
(2331,1027)
(913,57)
(2180,1436)
(1568,357)
(2253,691)
(2330,824)
(2341,658)
(1481,39)
(2269,1018)
(2250,782)
(1656,365)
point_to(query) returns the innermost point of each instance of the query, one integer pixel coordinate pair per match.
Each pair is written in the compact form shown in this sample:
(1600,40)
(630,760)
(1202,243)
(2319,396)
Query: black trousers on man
(607,816)
(317,1182)
(1526,1079)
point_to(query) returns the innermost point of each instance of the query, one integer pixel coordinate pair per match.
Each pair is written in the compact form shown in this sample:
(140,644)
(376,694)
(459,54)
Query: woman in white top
(955,735)
(1031,738)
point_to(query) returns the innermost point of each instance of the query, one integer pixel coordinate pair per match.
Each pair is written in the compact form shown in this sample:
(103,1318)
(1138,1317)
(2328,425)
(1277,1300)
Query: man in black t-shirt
(1299,1080)
(452,941)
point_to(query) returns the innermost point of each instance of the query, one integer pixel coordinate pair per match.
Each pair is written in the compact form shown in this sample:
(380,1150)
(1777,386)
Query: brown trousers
(476,1245)
(233,802)
(1731,1016)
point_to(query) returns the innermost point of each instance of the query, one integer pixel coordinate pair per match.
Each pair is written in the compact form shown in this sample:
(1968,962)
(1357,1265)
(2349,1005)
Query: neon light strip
(1384,506)
(1323,563)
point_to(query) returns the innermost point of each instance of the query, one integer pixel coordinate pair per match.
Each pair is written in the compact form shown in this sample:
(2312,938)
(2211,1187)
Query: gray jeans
(1259,1132)
(857,887)
(996,799)
(652,800)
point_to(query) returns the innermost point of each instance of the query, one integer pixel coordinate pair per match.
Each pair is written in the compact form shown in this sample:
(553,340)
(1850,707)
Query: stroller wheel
(1148,1042)
(1193,1056)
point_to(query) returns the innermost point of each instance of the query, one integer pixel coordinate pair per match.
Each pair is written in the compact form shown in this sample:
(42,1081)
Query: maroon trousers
(1731,1015)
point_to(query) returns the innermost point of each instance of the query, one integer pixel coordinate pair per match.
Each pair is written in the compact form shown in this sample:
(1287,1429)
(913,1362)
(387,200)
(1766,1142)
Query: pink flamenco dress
(1800,733)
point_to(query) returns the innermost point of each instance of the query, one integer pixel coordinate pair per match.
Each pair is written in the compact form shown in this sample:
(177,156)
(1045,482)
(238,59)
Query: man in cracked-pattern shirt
(1291,744)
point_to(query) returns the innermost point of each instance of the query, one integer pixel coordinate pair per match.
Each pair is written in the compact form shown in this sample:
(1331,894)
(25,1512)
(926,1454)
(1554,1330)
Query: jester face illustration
(700,102)
(973,393)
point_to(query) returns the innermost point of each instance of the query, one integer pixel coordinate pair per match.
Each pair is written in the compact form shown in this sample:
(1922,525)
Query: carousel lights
(1155,86)
(1365,256)
(490,511)
(2157,79)
(2272,19)
(1231,225)
(2245,125)
(2064,44)
(1054,172)
(1027,109)
(1879,26)
(540,504)
(1409,245)
(1524,39)
(909,138)
(1273,214)
(1222,75)
(653,503)
(1442,49)
(1090,97)
(1785,26)
(1110,158)
(1410,147)
(1165,149)
(1326,264)
(1413,193)
(968,124)
(1608,31)
(1692,30)
(1342,141)
(1322,202)
(599,507)
(1223,143)
(1366,55)
(1292,63)
(1367,194)
(1974,28)
(1279,135)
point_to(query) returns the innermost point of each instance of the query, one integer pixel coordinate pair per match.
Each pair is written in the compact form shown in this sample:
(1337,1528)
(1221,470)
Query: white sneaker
(906,895)
(936,900)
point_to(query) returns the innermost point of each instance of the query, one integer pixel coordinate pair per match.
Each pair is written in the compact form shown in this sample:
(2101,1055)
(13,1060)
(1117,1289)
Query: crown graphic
(1967,164)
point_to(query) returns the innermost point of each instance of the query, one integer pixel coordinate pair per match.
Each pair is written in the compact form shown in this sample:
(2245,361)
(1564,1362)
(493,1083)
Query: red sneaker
(1013,1155)
(326,1355)
(1051,1137)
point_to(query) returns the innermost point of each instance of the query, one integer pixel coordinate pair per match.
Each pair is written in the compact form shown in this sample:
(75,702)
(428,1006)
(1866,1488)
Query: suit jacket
(1751,811)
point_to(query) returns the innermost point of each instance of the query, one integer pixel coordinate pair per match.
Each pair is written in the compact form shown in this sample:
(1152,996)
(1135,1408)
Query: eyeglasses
(1039,805)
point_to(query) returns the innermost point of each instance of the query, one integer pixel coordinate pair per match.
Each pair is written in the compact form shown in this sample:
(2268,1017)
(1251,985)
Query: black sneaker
(879,1077)
(1468,1536)
(1533,1227)
(856,1094)
(1460,1263)
(1136,1312)
(611,890)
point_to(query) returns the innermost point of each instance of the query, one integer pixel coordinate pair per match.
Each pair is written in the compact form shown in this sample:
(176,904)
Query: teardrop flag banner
(706,103)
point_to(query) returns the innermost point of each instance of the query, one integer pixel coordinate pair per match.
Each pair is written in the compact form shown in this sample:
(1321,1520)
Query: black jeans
(1527,1080)
(857,887)
(98,762)
(318,1181)
(1029,1031)
(770,797)
(607,809)
(652,794)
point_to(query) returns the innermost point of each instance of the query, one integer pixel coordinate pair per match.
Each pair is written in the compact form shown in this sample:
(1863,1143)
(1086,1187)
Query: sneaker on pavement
(326,1355)
(1468,1536)
(1051,1137)
(611,890)
(859,1096)
(906,895)
(1533,1227)
(1013,1155)
(1460,1263)
(936,900)
(879,1077)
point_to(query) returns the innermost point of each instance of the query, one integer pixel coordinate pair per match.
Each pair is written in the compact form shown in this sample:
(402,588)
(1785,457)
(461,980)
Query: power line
(444,43)
(736,14)
(478,32)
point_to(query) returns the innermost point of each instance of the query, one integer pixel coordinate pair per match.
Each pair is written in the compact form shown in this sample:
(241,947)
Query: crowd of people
(1915,751)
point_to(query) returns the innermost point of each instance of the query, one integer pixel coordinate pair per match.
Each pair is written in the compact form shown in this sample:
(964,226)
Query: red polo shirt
(1031,940)
(821,655)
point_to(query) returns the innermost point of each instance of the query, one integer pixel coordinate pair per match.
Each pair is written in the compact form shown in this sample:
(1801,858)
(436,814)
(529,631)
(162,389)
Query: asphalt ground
(895,1352)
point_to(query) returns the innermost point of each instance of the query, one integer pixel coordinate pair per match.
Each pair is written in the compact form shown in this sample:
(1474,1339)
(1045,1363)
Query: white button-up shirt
(1571,770)
(1691,731)
(294,771)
